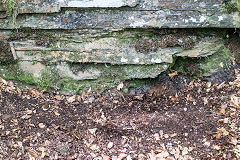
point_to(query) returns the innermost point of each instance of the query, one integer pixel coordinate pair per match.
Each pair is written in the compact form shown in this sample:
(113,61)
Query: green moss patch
(10,5)
(202,67)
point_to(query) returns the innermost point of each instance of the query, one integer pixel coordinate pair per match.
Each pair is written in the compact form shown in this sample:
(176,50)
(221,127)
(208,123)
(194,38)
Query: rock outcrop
(108,41)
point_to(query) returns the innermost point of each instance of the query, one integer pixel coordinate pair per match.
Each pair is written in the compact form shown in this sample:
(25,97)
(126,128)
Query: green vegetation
(200,67)
(230,7)
(238,5)
(10,5)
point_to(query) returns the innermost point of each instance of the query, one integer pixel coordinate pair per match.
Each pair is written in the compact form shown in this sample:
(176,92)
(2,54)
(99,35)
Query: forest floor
(178,118)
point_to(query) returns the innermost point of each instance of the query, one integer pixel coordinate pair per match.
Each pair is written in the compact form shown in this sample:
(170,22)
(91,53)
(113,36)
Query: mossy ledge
(203,67)
(50,79)
(75,77)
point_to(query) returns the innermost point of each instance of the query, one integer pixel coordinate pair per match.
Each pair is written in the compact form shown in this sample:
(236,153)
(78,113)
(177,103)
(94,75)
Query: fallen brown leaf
(171,75)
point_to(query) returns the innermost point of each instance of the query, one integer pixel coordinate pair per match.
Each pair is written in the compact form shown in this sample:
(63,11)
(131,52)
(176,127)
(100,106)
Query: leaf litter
(178,118)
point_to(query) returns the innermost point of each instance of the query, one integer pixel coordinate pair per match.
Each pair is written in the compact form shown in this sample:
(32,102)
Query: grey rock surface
(121,14)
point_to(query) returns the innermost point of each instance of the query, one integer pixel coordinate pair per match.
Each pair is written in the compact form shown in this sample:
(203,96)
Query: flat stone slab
(118,48)
(121,14)
(50,6)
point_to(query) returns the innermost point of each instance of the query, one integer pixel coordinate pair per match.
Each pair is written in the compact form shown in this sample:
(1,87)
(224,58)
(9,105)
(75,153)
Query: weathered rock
(61,44)
(130,47)
(50,6)
(118,20)
(56,76)
(133,14)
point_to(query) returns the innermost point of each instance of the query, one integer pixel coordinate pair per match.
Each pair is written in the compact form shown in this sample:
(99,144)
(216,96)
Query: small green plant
(238,5)
(230,7)
(10,6)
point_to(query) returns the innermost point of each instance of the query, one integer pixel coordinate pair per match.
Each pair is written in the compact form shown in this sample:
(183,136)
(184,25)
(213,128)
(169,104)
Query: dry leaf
(1,127)
(92,131)
(29,112)
(56,113)
(235,101)
(71,99)
(41,125)
(166,136)
(58,97)
(185,151)
(209,84)
(173,98)
(45,106)
(220,132)
(225,132)
(173,135)
(225,120)
(120,86)
(156,136)
(33,155)
(171,75)
(205,100)
(234,141)
(152,155)
(3,81)
(223,111)
(223,108)
(19,92)
(122,156)
(26,116)
(94,147)
(105,157)
(162,155)
(15,122)
(189,97)
(216,147)
(115,101)
(192,83)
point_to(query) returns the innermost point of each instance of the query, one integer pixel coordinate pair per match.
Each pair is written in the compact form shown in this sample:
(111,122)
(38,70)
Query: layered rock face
(69,42)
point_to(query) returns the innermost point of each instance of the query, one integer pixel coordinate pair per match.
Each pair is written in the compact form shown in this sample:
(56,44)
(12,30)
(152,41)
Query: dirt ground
(178,118)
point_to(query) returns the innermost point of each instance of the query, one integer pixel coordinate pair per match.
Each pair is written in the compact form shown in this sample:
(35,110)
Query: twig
(13,51)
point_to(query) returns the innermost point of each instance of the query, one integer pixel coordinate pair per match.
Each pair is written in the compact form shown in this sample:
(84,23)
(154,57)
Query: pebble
(91,99)
(110,145)
(173,151)
(185,109)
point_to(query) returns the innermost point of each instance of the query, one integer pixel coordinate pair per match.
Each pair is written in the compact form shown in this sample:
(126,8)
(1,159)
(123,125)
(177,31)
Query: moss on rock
(49,77)
(202,67)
